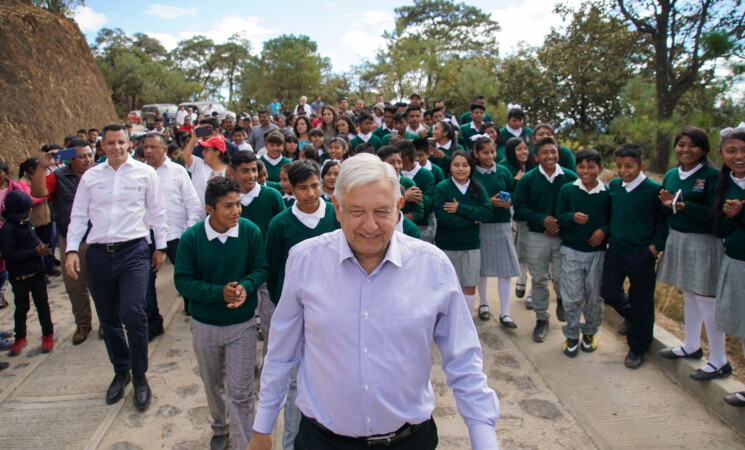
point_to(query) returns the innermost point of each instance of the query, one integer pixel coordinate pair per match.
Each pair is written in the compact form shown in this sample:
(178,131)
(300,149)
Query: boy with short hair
(399,125)
(425,181)
(583,212)
(387,125)
(239,139)
(316,138)
(467,130)
(414,207)
(309,216)
(220,265)
(273,159)
(535,201)
(423,152)
(365,122)
(638,231)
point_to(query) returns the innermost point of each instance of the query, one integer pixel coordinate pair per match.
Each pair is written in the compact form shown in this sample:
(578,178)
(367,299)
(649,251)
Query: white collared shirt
(245,146)
(201,173)
(738,181)
(462,187)
(683,174)
(446,146)
(635,183)
(310,220)
(428,166)
(492,169)
(474,127)
(222,237)
(412,173)
(248,197)
(400,224)
(117,202)
(418,130)
(600,187)
(183,208)
(557,171)
(513,131)
(273,161)
(364,137)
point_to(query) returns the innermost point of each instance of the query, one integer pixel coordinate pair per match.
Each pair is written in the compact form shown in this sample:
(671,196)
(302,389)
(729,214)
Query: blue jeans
(118,282)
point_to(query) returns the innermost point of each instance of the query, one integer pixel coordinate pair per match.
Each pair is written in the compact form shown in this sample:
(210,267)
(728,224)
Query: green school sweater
(374,140)
(525,135)
(381,132)
(409,136)
(437,173)
(274,185)
(572,199)
(698,195)
(733,230)
(426,182)
(444,163)
(263,208)
(535,197)
(272,171)
(459,231)
(416,209)
(465,135)
(501,180)
(566,158)
(636,219)
(411,230)
(466,117)
(285,230)
(204,267)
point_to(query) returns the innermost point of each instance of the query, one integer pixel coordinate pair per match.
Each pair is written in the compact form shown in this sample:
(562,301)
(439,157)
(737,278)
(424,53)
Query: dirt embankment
(50,85)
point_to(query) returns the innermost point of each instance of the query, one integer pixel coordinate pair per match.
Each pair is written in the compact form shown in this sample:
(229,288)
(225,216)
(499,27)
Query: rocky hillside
(50,85)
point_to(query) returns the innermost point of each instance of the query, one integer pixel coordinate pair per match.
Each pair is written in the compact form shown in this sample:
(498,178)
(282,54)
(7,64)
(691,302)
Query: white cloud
(528,22)
(170,11)
(364,44)
(88,19)
(169,41)
(376,18)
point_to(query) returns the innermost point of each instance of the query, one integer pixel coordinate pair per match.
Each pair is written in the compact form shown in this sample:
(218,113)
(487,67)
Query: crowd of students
(499,202)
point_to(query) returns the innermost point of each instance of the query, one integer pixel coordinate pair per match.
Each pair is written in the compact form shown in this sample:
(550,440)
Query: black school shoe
(142,392)
(540,330)
(560,314)
(116,388)
(623,328)
(733,400)
(219,442)
(722,372)
(634,360)
(668,353)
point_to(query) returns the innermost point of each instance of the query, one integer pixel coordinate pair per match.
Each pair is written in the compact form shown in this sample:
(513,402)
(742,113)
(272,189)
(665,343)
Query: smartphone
(504,196)
(394,134)
(64,155)
(432,143)
(204,131)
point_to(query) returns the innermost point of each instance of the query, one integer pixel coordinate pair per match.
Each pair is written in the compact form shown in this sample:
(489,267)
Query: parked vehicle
(135,116)
(207,108)
(150,112)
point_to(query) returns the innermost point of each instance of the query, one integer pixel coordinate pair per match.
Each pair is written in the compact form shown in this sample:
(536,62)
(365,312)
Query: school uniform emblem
(699,186)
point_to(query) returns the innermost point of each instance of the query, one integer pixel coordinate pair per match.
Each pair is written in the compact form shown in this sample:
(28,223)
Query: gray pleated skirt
(466,264)
(521,241)
(730,292)
(691,262)
(498,254)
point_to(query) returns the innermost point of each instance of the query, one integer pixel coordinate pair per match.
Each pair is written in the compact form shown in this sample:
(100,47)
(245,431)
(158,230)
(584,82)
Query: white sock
(482,291)
(470,301)
(503,285)
(717,352)
(693,320)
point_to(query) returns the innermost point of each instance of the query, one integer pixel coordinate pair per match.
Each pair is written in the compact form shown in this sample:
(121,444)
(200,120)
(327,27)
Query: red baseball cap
(215,142)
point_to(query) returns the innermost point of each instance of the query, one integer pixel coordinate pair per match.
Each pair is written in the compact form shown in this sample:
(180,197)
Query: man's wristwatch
(160,250)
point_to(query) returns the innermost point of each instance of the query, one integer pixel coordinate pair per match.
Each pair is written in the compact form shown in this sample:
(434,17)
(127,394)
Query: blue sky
(345,31)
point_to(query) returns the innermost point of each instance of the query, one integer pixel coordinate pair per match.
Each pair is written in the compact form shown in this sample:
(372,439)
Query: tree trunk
(662,149)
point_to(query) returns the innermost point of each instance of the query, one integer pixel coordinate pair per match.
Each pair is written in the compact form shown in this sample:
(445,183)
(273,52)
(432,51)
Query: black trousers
(311,437)
(638,306)
(37,287)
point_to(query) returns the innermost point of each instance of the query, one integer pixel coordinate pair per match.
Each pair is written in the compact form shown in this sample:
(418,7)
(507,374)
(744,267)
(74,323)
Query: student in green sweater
(637,236)
(424,181)
(414,207)
(729,222)
(472,129)
(692,238)
(519,161)
(405,225)
(329,173)
(285,187)
(219,266)
(583,212)
(309,217)
(498,254)
(535,202)
(259,204)
(423,152)
(566,157)
(273,159)
(399,130)
(387,125)
(466,116)
(445,142)
(491,130)
(461,204)
(365,122)
(515,126)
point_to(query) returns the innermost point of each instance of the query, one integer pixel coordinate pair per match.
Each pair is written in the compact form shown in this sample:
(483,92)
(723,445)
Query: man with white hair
(303,106)
(358,311)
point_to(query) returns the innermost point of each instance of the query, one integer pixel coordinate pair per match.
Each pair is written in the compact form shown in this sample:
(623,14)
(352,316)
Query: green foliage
(62,7)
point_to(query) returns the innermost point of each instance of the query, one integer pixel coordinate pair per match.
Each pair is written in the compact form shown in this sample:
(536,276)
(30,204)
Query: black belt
(372,441)
(116,246)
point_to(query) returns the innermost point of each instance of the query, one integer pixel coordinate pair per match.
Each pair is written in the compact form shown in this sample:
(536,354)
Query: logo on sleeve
(699,186)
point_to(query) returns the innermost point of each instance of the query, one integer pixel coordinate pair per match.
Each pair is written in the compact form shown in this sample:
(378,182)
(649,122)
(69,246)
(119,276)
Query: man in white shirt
(414,119)
(182,211)
(116,197)
(302,107)
(180,116)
